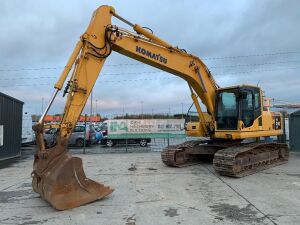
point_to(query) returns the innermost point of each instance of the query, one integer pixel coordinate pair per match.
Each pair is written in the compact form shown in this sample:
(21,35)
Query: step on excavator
(234,114)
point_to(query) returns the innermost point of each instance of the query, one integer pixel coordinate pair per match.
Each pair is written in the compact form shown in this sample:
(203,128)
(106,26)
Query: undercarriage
(234,159)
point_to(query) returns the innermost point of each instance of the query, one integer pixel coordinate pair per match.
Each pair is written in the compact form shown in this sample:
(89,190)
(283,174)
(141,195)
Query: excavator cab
(241,103)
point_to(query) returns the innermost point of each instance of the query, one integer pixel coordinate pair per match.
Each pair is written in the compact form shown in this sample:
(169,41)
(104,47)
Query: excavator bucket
(59,178)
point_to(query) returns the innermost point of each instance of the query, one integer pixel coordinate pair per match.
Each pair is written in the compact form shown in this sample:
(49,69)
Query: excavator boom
(71,189)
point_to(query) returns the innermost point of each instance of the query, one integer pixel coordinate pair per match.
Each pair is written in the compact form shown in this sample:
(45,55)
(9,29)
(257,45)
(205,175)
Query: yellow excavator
(234,114)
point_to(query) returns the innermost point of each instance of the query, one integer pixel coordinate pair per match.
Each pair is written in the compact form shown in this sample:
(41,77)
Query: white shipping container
(28,135)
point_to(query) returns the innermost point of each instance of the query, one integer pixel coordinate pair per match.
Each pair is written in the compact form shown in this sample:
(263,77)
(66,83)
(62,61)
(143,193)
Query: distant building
(57,118)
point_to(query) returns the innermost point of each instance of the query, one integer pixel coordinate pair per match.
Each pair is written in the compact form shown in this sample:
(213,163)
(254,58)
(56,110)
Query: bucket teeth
(61,181)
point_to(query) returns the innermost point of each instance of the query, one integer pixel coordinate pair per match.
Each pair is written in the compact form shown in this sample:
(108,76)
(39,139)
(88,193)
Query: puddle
(22,220)
(25,185)
(293,175)
(131,220)
(234,213)
(15,196)
(132,168)
(171,212)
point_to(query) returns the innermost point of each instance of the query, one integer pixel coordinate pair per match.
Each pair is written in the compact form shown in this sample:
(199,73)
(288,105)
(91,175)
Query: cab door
(250,107)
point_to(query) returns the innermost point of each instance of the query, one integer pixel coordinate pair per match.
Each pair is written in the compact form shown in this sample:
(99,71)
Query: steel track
(230,159)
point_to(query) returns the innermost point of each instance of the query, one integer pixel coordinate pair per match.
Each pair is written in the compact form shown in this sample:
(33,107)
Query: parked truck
(140,131)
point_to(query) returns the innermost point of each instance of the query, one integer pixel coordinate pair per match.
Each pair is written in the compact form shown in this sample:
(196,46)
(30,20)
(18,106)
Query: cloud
(43,34)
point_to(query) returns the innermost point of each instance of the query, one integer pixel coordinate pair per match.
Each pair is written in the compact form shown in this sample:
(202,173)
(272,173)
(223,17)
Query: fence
(156,145)
(135,135)
(159,132)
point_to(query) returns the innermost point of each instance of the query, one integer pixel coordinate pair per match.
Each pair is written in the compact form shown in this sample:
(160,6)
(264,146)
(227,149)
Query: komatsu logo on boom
(151,55)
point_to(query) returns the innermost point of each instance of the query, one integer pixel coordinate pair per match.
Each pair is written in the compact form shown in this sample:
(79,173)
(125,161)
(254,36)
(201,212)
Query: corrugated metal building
(10,126)
(294,131)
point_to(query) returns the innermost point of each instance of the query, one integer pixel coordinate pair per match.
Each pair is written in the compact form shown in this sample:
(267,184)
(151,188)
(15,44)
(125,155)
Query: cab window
(256,100)
(227,110)
(250,106)
(247,107)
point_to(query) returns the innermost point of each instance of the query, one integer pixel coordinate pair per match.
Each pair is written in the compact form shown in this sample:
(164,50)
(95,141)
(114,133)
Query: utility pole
(123,111)
(181,110)
(42,105)
(142,108)
(96,107)
(91,106)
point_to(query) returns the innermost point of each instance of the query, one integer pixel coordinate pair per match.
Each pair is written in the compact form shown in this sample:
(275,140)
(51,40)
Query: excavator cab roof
(243,86)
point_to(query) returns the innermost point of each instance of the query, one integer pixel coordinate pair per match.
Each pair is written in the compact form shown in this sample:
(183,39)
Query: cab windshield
(227,110)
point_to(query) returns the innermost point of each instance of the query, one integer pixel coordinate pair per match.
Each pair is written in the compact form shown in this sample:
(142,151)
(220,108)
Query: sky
(242,42)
